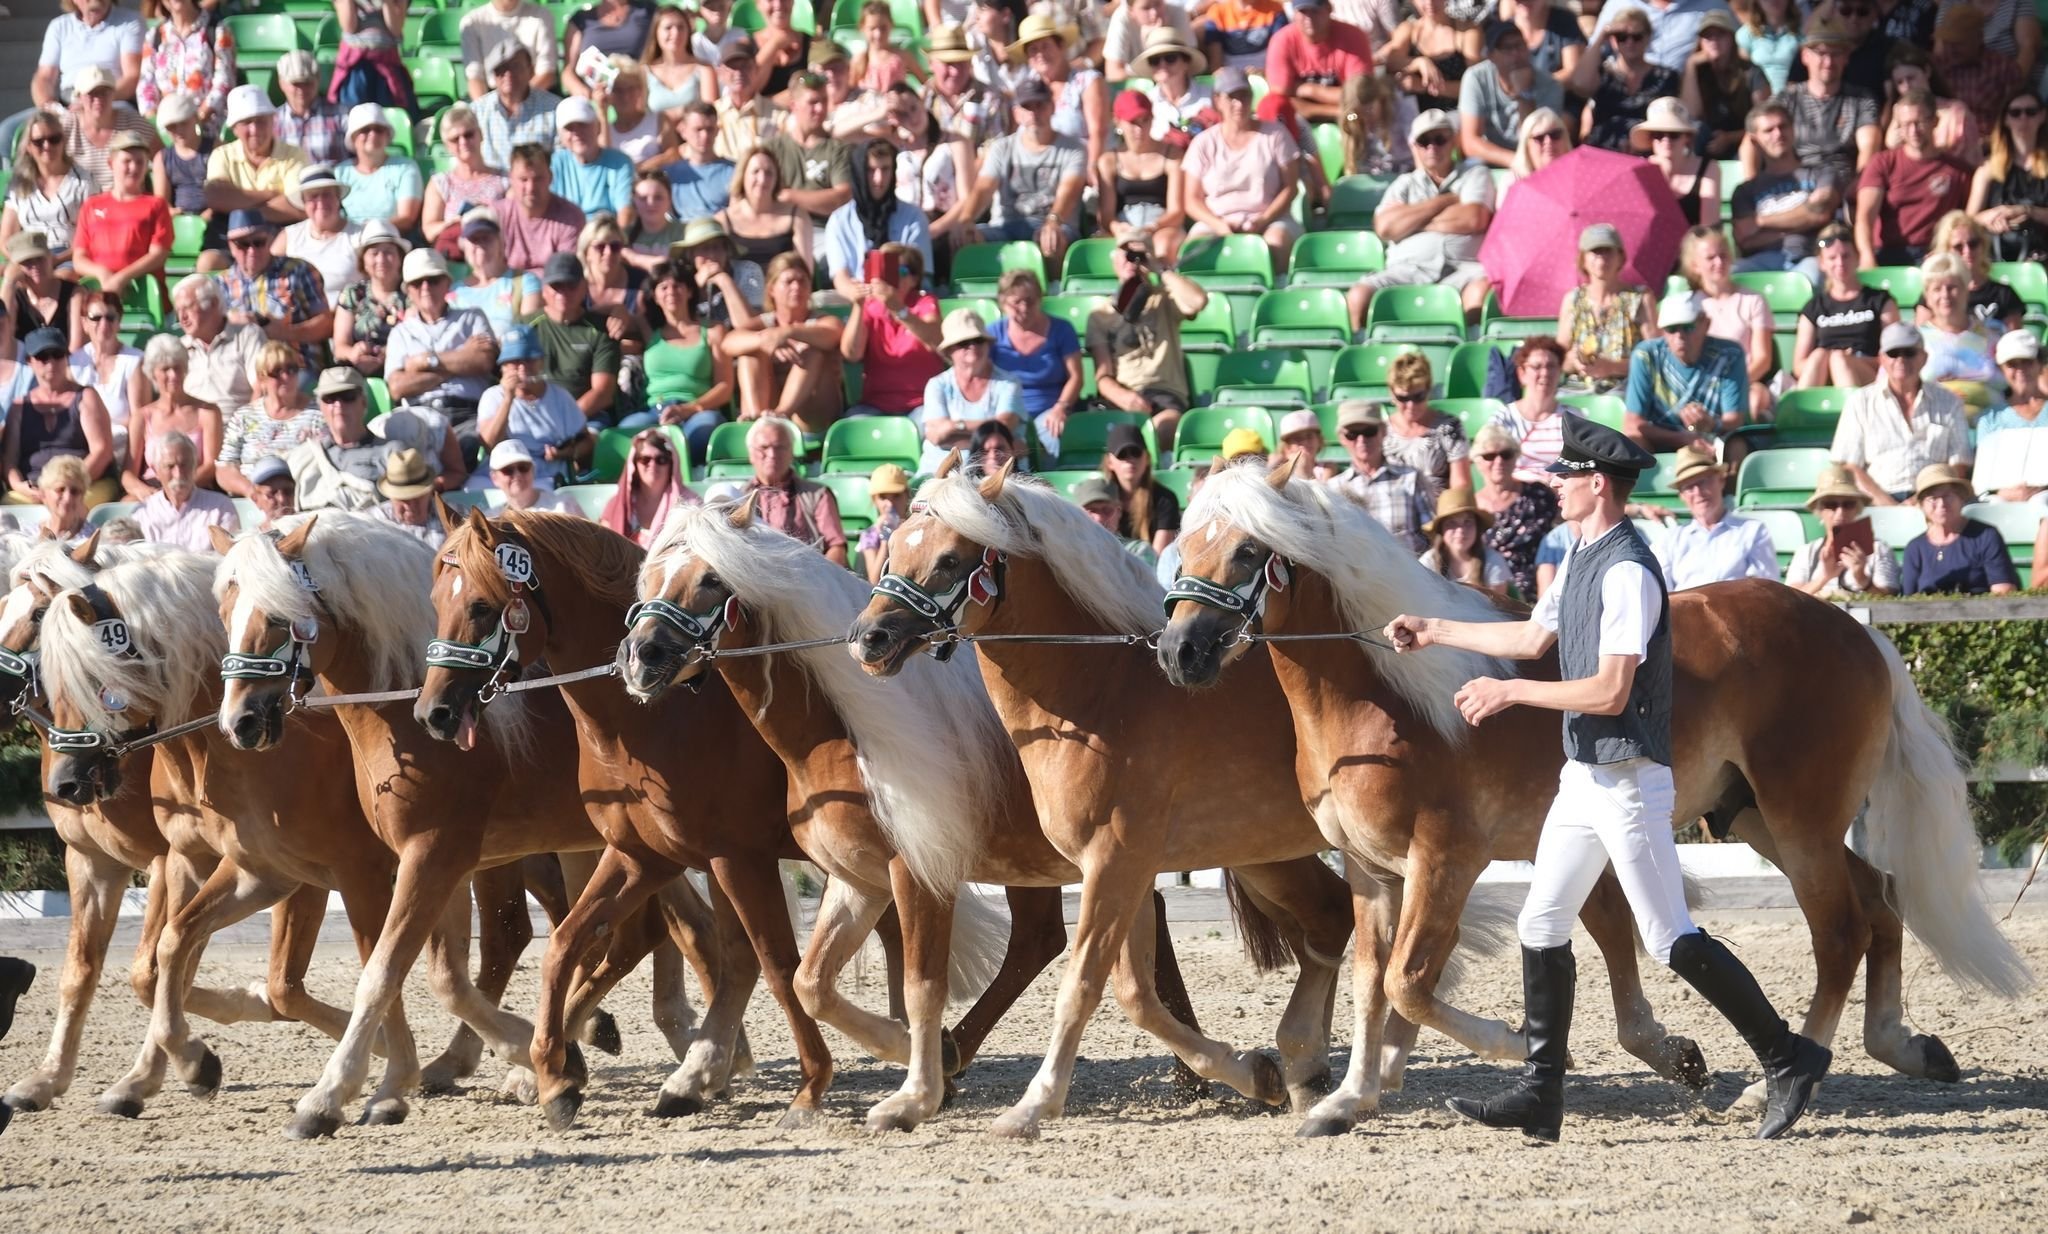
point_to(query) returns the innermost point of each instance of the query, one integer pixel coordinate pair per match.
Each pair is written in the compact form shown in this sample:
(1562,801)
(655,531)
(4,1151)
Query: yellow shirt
(278,174)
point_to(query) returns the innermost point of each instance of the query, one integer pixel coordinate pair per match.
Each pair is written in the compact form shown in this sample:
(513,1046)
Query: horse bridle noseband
(1247,600)
(26,668)
(982,585)
(289,660)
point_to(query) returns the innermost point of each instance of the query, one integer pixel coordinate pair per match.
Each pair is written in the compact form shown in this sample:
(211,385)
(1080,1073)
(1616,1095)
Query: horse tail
(1486,927)
(1264,944)
(1922,836)
(981,937)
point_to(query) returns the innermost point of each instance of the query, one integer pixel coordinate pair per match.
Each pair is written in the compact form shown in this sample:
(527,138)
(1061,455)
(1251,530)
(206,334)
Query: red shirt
(895,366)
(1917,192)
(1291,59)
(117,234)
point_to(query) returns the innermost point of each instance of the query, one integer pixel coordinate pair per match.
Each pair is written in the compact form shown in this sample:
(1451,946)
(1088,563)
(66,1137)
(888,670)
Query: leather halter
(111,631)
(942,609)
(1247,600)
(288,660)
(498,653)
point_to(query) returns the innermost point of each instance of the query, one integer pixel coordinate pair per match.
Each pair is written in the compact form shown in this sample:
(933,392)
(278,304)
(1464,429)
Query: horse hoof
(574,1069)
(1322,1128)
(893,1120)
(1940,1064)
(798,1118)
(205,1079)
(24,1104)
(312,1127)
(1015,1126)
(1691,1067)
(121,1106)
(950,1062)
(669,1105)
(604,1033)
(561,1110)
(384,1114)
(1268,1085)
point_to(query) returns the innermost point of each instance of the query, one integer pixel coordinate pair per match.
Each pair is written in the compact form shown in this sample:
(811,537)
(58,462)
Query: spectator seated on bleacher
(524,22)
(1128,27)
(1240,178)
(372,303)
(1954,554)
(700,182)
(1457,546)
(1418,435)
(1897,426)
(1140,182)
(594,179)
(1311,58)
(535,222)
(613,296)
(525,408)
(2012,465)
(1734,313)
(1668,136)
(1103,503)
(1959,345)
(503,295)
(58,418)
(1031,179)
(1433,221)
(1847,559)
(969,393)
(1685,387)
(221,353)
(93,123)
(676,76)
(1721,85)
(876,216)
(258,170)
(789,366)
(1181,105)
(992,447)
(689,374)
(1601,320)
(182,161)
(1149,511)
(650,488)
(272,489)
(464,184)
(1994,303)
(1135,338)
(123,234)
(1619,75)
(1543,137)
(111,367)
(33,293)
(174,410)
(516,112)
(1839,328)
(1501,91)
(2010,193)
(1715,546)
(747,115)
(1523,510)
(893,334)
(1834,124)
(325,238)
(1301,439)
(181,512)
(339,469)
(962,106)
(762,223)
(784,500)
(91,34)
(582,357)
(410,498)
(1400,498)
(285,296)
(630,127)
(889,489)
(1777,213)
(1902,193)
(307,121)
(440,357)
(379,186)
(62,485)
(512,471)
(1040,352)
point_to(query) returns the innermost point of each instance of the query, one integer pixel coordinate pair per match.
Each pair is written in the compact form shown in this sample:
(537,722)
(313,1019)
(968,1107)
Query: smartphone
(875,267)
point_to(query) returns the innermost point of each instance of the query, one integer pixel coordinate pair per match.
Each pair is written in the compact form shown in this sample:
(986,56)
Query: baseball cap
(45,341)
(176,108)
(1239,442)
(825,51)
(1094,489)
(1599,236)
(518,343)
(574,110)
(2017,345)
(1231,80)
(298,66)
(562,268)
(478,221)
(1299,422)
(741,49)
(1435,120)
(1899,336)
(509,452)
(93,79)
(1031,92)
(268,470)
(128,139)
(1678,309)
(341,379)
(887,479)
(1133,105)
(1122,437)
(248,103)
(1358,411)
(423,263)
(503,52)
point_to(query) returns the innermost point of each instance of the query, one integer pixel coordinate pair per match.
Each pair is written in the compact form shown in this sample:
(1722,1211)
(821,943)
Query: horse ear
(992,486)
(1281,472)
(948,464)
(80,607)
(222,541)
(293,542)
(87,549)
(741,516)
(449,519)
(480,525)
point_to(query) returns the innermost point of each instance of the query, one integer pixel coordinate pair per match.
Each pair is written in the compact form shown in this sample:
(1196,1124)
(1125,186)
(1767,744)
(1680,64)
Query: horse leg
(889,933)
(630,938)
(617,887)
(366,900)
(294,934)
(509,1036)
(1608,918)
(182,877)
(1038,934)
(96,882)
(756,891)
(1431,903)
(683,912)
(714,1057)
(847,914)
(504,929)
(1886,1035)
(1173,994)
(596,1027)
(1376,909)
(142,969)
(1296,895)
(927,922)
(233,893)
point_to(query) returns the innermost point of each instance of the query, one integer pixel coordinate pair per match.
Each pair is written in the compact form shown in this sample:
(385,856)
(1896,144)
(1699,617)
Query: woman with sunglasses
(47,190)
(175,410)
(615,284)
(1619,78)
(1601,320)
(2009,194)
(1420,436)
(1837,562)
(101,360)
(1523,511)
(649,490)
(1668,137)
(1840,326)
(57,418)
(465,182)
(1151,511)
(1181,105)
(1544,137)
(282,418)
(1991,302)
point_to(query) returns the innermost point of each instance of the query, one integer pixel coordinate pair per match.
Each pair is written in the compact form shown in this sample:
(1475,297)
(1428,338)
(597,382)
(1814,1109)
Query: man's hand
(614,326)
(419,362)
(1695,417)
(1411,633)
(550,453)
(1482,697)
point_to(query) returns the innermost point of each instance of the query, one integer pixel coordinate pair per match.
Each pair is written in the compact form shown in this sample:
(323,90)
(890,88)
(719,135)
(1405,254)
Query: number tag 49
(113,636)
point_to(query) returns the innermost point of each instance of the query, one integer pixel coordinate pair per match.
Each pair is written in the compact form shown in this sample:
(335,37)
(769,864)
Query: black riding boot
(1793,1065)
(15,976)
(1535,1105)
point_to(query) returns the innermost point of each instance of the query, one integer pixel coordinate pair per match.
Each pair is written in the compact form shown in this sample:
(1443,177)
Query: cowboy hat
(1666,115)
(1692,462)
(407,474)
(1836,484)
(1937,476)
(1166,39)
(1039,26)
(1455,501)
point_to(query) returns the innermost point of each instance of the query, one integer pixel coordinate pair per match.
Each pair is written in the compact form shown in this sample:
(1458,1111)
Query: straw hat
(1162,40)
(1455,501)
(948,44)
(1937,476)
(1039,26)
(962,325)
(1666,115)
(1694,461)
(407,474)
(1836,484)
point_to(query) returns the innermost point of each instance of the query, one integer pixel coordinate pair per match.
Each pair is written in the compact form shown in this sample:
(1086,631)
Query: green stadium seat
(1212,329)
(1353,200)
(380,396)
(725,456)
(1269,375)
(1902,281)
(1779,477)
(1088,269)
(1428,310)
(1514,329)
(862,443)
(1301,317)
(1788,532)
(2018,522)
(401,130)
(1656,487)
(1200,434)
(1807,417)
(980,304)
(259,76)
(437,81)
(1063,482)
(1897,526)
(1228,263)
(101,515)
(1472,413)
(977,268)
(1086,437)
(1361,370)
(1607,409)
(856,507)
(1786,291)
(435,26)
(1464,374)
(1335,258)
(608,460)
(2028,280)
(1202,367)
(1329,141)
(1181,480)
(589,498)
(262,39)
(1075,309)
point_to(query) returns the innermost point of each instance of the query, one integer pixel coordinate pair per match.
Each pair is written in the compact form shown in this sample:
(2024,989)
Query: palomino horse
(1131,775)
(136,648)
(1400,782)
(105,842)
(343,599)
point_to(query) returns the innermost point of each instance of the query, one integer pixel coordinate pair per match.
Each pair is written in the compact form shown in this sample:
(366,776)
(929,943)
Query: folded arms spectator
(1897,425)
(1433,221)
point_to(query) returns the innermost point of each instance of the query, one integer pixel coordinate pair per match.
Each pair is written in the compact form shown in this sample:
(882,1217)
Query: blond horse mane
(172,623)
(1374,576)
(49,564)
(1030,520)
(929,742)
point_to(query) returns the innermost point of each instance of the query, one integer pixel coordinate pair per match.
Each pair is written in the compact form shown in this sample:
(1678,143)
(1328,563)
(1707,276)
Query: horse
(1400,781)
(343,600)
(106,842)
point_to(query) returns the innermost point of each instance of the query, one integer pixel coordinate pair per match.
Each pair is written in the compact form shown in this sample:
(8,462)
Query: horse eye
(947,561)
(711,579)
(480,611)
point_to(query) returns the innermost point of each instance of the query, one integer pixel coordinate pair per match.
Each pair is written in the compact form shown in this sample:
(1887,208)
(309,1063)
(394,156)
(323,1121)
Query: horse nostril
(441,717)
(248,728)
(874,640)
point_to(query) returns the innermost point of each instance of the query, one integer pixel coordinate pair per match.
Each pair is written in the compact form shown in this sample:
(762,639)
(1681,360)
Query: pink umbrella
(1532,249)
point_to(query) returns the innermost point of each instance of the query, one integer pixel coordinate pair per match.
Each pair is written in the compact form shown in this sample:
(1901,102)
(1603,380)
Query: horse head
(94,710)
(274,645)
(1230,585)
(932,573)
(686,610)
(489,624)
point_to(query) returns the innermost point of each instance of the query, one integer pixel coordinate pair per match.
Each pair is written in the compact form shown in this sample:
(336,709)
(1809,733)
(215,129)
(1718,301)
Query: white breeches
(1619,812)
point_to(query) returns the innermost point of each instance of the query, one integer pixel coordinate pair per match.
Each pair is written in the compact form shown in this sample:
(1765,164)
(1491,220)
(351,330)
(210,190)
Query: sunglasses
(2022,113)
(250,242)
(650,460)
(291,372)
(429,281)
(606,246)
(1497,455)
(97,318)
(1171,57)
(515,469)
(1628,36)
(1361,432)
(1430,141)
(346,397)
(455,137)
(1839,504)
(1963,244)
(1902,353)
(1412,396)
(1131,454)
(1547,137)
(44,143)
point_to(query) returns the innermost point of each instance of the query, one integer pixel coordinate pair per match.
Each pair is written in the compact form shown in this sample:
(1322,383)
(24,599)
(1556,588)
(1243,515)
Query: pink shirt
(1291,59)
(164,523)
(895,366)
(1240,184)
(1735,316)
(529,242)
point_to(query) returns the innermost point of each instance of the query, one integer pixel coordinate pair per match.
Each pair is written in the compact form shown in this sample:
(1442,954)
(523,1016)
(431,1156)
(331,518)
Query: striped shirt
(1660,382)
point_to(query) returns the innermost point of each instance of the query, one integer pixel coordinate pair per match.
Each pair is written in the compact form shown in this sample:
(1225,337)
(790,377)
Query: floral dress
(1518,531)
(201,64)
(374,319)
(1610,333)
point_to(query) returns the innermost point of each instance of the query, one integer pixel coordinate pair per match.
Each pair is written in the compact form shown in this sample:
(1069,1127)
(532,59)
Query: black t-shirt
(1994,301)
(1851,325)
(1165,511)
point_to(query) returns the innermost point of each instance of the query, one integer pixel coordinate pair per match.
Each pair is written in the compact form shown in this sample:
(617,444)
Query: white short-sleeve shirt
(1628,605)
